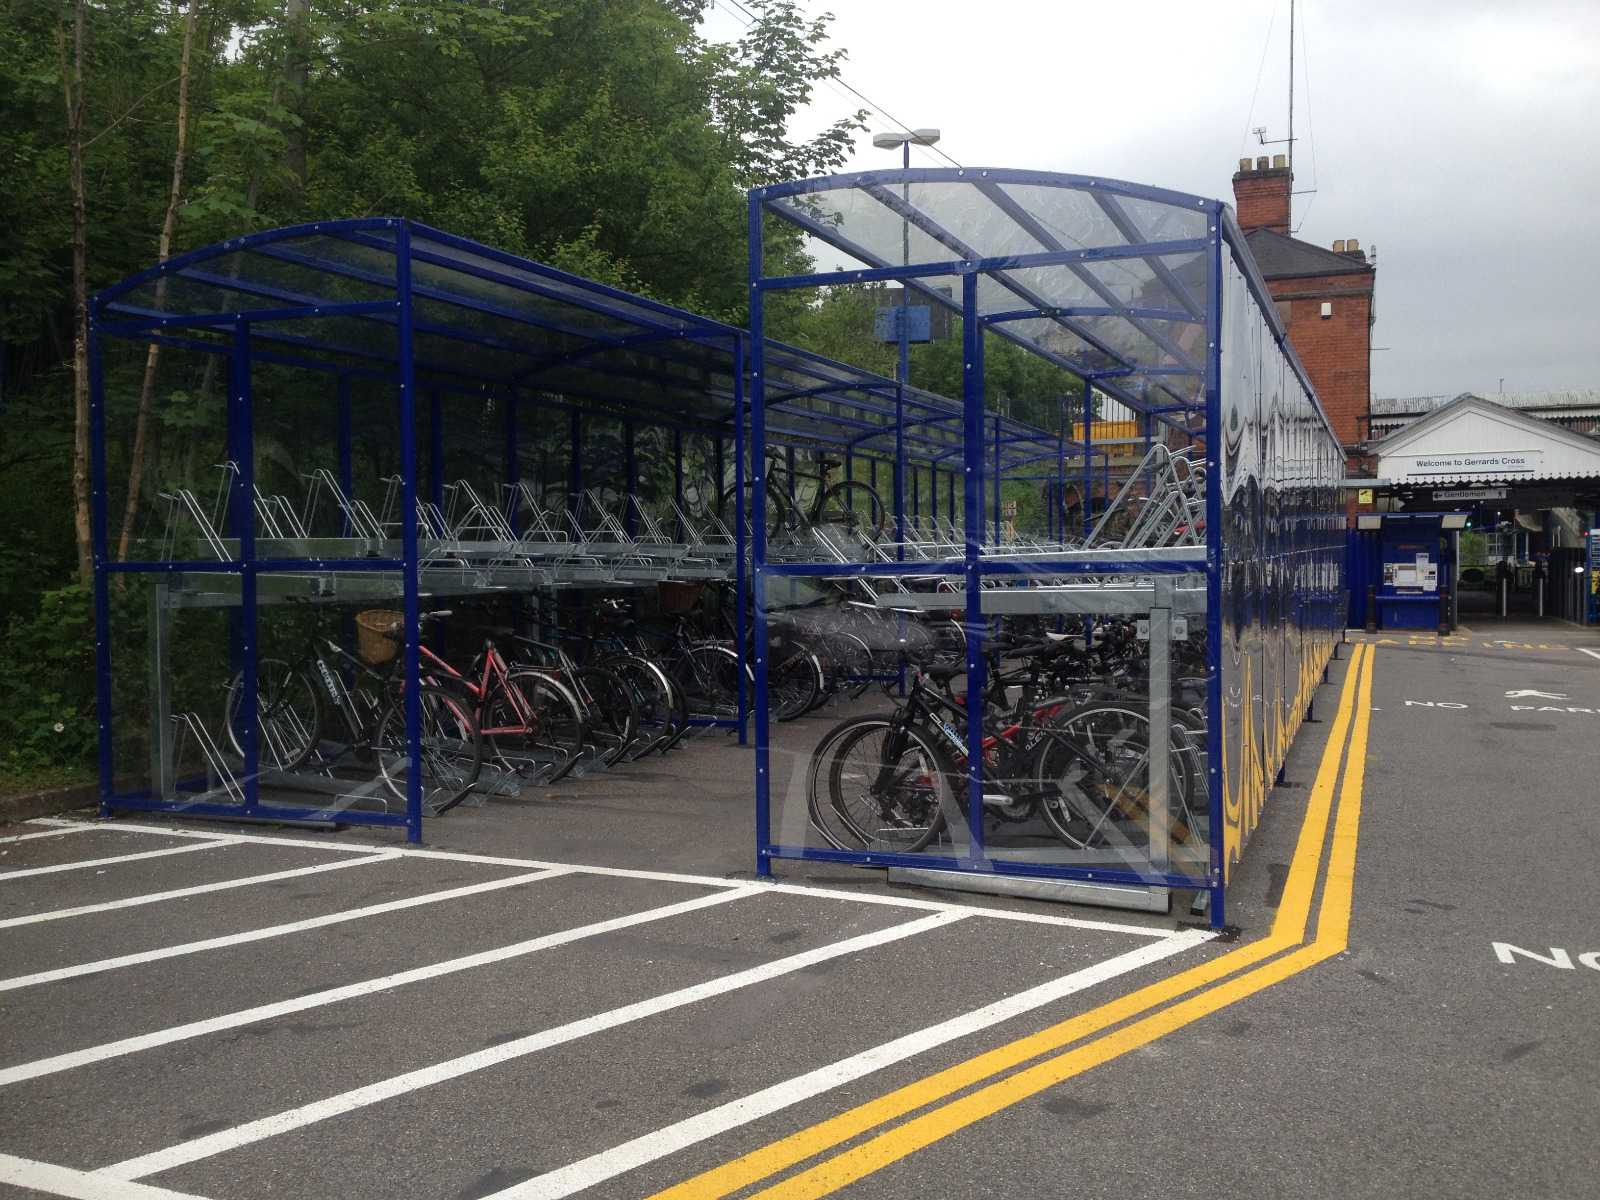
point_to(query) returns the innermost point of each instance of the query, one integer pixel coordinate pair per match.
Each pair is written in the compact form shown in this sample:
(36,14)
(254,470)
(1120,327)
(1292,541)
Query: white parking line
(271,931)
(64,1181)
(83,864)
(1001,914)
(28,837)
(630,1155)
(400,1085)
(267,1012)
(198,890)
(1590,653)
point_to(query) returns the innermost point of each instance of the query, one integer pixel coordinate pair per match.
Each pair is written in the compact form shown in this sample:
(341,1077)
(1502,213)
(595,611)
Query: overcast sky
(1459,137)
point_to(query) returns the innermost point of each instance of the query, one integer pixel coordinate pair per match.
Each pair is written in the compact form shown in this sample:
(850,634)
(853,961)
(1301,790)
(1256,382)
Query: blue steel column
(436,448)
(741,584)
(408,531)
(997,474)
(1088,461)
(630,474)
(244,514)
(1058,501)
(513,463)
(972,452)
(575,460)
(677,481)
(758,534)
(346,449)
(1214,429)
(97,539)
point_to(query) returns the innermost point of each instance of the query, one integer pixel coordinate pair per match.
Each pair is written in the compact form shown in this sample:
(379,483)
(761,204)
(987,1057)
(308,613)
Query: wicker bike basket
(378,634)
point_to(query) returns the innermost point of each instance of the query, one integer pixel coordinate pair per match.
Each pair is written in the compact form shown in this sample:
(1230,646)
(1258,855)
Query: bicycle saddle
(944,672)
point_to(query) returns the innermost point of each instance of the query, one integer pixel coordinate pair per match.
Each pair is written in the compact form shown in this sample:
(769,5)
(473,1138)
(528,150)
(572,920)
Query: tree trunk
(163,249)
(296,74)
(72,90)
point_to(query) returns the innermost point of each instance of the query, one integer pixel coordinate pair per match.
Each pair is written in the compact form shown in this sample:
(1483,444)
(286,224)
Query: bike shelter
(1225,544)
(383,417)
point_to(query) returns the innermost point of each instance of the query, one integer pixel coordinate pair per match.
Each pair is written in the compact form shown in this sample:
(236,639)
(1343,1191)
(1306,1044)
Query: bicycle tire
(654,699)
(553,725)
(1104,793)
(792,681)
(614,715)
(777,508)
(854,505)
(908,798)
(288,725)
(708,674)
(451,749)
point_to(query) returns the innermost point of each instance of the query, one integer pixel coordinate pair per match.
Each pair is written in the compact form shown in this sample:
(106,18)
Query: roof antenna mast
(1261,130)
(1291,93)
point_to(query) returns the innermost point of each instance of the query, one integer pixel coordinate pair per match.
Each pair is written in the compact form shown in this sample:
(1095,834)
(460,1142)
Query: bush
(48,716)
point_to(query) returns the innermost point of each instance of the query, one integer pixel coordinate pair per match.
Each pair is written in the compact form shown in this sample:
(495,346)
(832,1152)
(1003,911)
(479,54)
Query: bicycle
(292,723)
(895,782)
(850,505)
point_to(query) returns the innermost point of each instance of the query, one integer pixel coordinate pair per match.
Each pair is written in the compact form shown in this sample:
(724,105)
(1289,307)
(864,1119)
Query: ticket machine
(1414,570)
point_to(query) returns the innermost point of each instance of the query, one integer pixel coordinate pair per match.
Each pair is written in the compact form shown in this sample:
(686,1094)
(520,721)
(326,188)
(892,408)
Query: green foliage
(48,718)
(606,137)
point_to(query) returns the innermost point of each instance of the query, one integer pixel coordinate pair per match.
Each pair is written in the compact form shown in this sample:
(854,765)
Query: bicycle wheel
(777,508)
(451,745)
(613,717)
(854,506)
(872,787)
(793,679)
(536,725)
(1094,771)
(708,676)
(288,715)
(656,703)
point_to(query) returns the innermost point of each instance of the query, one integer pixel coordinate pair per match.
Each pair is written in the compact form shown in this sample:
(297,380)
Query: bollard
(1372,610)
(1444,612)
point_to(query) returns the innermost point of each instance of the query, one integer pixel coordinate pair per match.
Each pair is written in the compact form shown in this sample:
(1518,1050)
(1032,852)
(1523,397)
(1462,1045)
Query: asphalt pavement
(235,1012)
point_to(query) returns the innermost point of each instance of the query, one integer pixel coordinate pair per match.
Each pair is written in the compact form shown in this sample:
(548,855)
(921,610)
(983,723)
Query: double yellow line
(1228,973)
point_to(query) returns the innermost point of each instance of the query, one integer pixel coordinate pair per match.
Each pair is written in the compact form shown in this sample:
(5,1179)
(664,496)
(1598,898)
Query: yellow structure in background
(1105,431)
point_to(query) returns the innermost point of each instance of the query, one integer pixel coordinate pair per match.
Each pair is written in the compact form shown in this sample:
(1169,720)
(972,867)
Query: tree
(72,90)
(163,249)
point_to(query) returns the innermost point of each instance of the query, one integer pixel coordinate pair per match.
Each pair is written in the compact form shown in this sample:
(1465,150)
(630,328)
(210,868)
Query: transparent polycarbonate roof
(1104,278)
(326,296)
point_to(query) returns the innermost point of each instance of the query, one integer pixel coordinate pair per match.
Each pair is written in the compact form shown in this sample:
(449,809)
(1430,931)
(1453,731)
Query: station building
(1458,504)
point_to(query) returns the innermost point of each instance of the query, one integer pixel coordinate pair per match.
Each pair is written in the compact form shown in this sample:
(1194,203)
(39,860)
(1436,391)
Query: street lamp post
(903,140)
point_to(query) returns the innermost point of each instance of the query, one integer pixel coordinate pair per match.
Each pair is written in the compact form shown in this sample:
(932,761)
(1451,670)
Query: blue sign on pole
(919,323)
(1592,603)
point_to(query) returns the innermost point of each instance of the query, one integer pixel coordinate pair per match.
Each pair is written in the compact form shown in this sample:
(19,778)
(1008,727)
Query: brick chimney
(1261,193)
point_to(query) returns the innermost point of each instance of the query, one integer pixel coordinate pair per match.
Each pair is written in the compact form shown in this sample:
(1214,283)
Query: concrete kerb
(51,802)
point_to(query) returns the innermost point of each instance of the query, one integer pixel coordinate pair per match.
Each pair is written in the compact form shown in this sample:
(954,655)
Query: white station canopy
(1473,440)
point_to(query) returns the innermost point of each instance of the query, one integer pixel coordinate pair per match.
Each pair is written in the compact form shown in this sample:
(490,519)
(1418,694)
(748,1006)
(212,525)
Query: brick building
(1325,297)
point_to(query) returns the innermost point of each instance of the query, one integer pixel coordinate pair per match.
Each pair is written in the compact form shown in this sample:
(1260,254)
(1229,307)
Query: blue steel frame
(1144,385)
(596,352)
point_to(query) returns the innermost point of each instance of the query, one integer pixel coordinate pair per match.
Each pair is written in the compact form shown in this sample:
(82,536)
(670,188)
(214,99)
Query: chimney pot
(1353,246)
(1338,246)
(1261,163)
(1244,164)
(1280,162)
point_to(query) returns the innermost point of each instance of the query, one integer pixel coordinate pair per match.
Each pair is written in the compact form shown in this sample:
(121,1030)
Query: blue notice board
(1594,576)
(919,323)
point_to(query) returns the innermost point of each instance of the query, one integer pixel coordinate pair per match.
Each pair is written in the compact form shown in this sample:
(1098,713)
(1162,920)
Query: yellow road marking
(1288,929)
(1333,927)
